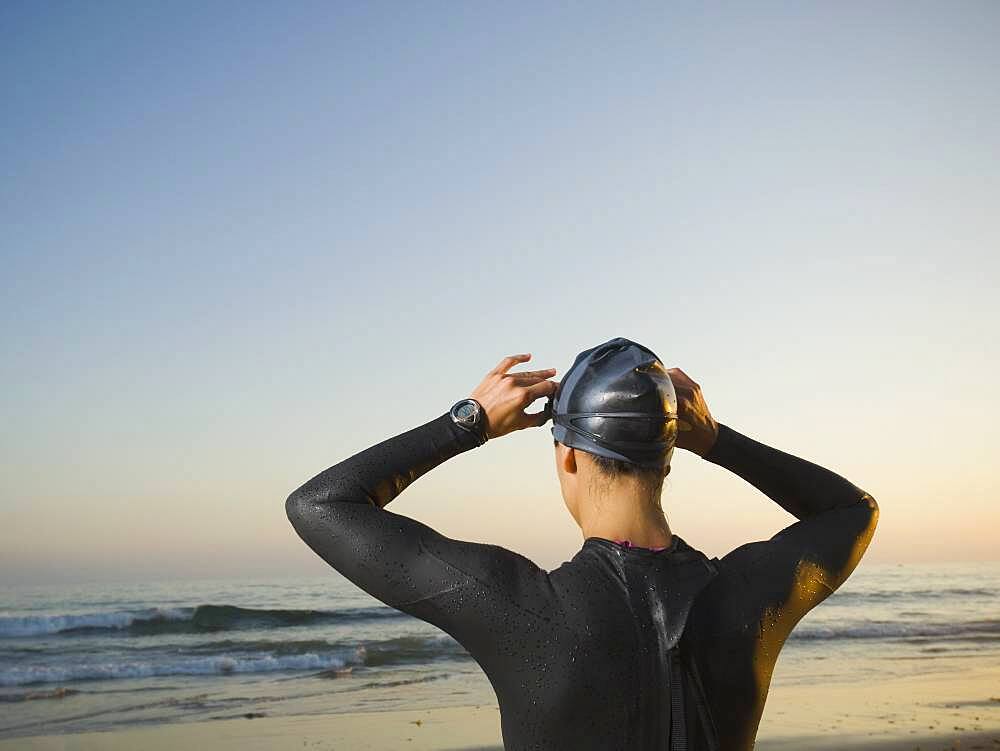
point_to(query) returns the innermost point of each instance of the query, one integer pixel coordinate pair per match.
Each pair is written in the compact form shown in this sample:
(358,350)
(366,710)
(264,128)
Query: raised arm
(836,518)
(340,514)
(801,487)
(396,559)
(764,588)
(807,561)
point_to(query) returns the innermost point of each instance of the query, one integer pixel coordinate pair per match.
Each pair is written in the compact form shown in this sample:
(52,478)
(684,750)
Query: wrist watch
(469,415)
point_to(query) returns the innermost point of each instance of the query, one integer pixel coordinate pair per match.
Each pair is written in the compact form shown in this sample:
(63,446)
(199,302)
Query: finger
(537,419)
(527,379)
(523,380)
(532,373)
(540,389)
(533,382)
(678,375)
(509,362)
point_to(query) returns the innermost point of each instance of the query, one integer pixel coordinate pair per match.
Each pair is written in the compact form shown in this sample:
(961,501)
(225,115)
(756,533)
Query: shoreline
(944,710)
(446,729)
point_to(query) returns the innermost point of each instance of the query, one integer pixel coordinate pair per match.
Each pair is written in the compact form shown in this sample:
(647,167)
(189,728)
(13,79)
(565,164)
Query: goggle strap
(633,415)
(616,444)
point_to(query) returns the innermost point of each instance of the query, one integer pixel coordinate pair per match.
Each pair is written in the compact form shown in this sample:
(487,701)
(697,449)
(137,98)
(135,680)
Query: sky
(244,241)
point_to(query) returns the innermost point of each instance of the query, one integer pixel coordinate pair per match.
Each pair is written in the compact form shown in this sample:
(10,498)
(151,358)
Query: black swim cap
(617,401)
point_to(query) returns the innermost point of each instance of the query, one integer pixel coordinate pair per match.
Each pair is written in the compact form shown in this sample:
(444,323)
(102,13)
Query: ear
(566,456)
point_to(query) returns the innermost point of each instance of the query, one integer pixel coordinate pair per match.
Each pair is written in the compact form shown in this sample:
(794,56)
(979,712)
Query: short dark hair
(612,469)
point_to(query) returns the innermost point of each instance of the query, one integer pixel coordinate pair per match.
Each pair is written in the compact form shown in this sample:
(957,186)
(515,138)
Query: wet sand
(959,710)
(956,709)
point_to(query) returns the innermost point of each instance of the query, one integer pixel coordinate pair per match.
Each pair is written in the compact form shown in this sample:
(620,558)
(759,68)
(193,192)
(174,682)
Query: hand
(696,428)
(505,396)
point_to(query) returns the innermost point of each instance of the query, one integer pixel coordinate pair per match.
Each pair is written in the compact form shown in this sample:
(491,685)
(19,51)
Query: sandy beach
(959,710)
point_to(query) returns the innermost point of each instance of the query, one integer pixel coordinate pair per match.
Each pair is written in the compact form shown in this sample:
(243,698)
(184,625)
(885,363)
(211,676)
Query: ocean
(104,656)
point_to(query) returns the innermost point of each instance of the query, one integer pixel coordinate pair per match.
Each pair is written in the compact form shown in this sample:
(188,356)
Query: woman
(640,641)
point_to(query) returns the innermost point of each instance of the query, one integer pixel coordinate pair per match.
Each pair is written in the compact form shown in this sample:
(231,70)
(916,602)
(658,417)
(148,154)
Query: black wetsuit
(572,653)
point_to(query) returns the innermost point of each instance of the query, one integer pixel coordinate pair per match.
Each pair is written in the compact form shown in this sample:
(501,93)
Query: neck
(625,514)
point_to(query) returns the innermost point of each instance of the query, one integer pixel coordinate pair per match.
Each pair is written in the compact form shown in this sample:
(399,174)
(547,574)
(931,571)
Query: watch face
(466,411)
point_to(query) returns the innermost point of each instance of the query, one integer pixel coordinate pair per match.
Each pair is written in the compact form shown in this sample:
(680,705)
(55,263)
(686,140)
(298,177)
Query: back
(603,668)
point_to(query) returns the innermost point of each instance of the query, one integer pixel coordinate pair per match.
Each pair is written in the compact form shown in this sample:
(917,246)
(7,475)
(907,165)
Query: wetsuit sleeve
(464,588)
(762,589)
(786,576)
